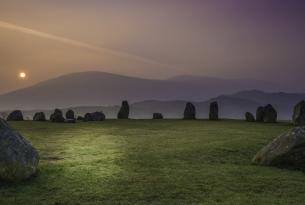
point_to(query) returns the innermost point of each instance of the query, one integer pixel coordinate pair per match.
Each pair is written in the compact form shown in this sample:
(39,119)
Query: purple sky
(260,39)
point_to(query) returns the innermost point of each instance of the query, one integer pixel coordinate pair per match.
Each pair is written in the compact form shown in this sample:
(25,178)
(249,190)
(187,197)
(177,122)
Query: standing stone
(190,111)
(270,114)
(57,116)
(96,116)
(157,116)
(39,116)
(260,114)
(80,118)
(15,116)
(70,115)
(286,151)
(249,117)
(124,111)
(18,158)
(214,111)
(88,117)
(298,117)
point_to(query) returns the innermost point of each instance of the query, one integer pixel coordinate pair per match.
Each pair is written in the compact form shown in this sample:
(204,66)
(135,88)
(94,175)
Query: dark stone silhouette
(214,111)
(18,158)
(286,151)
(88,117)
(260,114)
(15,116)
(249,117)
(80,118)
(57,116)
(298,117)
(39,116)
(270,114)
(124,111)
(189,111)
(70,115)
(96,116)
(157,116)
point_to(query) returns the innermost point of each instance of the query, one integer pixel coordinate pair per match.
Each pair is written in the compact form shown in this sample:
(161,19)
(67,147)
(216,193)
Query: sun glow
(22,75)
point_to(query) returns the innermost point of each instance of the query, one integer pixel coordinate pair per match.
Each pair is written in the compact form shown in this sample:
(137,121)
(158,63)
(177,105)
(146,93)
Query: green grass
(154,162)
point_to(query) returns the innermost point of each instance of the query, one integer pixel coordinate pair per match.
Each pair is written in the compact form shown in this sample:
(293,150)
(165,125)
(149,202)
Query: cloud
(80,44)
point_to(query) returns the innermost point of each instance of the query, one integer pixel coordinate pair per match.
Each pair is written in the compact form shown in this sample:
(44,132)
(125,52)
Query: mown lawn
(154,162)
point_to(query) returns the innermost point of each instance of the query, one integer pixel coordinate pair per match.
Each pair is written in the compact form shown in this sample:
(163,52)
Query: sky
(158,39)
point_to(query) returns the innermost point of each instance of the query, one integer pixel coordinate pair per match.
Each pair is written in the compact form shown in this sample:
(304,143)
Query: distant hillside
(231,106)
(98,88)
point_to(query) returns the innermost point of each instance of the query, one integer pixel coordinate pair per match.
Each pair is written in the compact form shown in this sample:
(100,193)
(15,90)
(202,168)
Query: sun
(22,75)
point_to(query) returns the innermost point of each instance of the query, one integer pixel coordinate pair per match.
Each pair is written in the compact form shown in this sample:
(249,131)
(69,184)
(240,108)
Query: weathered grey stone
(15,116)
(190,111)
(157,116)
(286,151)
(299,114)
(270,114)
(57,116)
(124,111)
(70,115)
(96,116)
(18,158)
(214,111)
(249,117)
(39,116)
(260,114)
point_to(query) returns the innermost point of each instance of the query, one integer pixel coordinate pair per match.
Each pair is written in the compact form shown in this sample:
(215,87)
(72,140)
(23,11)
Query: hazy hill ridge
(99,88)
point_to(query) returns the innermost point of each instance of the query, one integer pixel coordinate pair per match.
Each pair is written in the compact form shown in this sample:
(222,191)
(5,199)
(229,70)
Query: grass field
(154,162)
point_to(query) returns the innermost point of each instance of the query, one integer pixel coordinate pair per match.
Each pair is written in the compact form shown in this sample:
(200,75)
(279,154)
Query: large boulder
(270,114)
(157,116)
(18,158)
(124,111)
(70,115)
(190,111)
(249,117)
(260,114)
(15,116)
(298,117)
(96,116)
(39,116)
(214,111)
(57,116)
(286,151)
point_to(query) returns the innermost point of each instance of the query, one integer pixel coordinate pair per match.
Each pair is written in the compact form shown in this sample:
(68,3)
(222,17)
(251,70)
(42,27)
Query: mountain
(99,88)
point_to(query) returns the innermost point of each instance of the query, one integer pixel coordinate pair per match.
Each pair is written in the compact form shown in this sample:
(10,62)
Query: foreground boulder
(190,111)
(260,114)
(214,111)
(249,117)
(18,158)
(124,111)
(15,116)
(298,117)
(39,116)
(270,114)
(157,116)
(70,115)
(286,151)
(57,116)
(96,116)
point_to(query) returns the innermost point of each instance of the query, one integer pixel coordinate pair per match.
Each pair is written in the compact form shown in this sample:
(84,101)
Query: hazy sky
(261,39)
